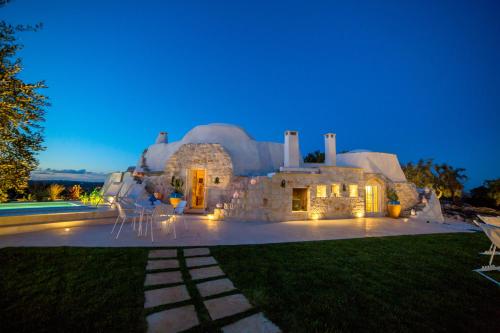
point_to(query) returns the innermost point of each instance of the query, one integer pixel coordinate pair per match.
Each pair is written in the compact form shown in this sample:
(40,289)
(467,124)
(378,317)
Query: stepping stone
(162,264)
(206,272)
(163,278)
(199,251)
(214,287)
(173,320)
(162,296)
(256,323)
(162,253)
(200,261)
(226,306)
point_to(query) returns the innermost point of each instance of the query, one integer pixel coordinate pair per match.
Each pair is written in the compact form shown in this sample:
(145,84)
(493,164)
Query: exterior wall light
(216,180)
(283,183)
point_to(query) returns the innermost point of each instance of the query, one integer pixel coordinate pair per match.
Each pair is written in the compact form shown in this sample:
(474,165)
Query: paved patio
(204,232)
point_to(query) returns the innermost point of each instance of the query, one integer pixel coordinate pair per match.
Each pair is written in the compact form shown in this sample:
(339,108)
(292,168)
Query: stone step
(164,296)
(227,306)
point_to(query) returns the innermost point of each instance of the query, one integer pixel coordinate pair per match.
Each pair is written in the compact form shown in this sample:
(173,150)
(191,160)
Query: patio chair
(493,233)
(179,211)
(162,213)
(125,213)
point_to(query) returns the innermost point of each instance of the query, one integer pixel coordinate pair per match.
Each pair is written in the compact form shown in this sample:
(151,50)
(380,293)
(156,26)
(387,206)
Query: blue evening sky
(416,78)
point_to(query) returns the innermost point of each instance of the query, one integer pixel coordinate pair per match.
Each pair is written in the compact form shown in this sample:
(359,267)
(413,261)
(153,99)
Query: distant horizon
(419,79)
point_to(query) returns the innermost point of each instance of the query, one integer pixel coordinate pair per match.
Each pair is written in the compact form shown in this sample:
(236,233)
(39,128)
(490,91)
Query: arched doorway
(373,197)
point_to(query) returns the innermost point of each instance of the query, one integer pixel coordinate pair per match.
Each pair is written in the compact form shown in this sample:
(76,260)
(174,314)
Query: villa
(227,173)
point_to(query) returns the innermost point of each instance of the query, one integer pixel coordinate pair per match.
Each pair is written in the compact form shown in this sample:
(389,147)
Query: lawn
(72,290)
(407,283)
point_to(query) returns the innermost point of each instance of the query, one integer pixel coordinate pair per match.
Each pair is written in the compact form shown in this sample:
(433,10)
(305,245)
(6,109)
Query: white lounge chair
(491,227)
(492,221)
(111,193)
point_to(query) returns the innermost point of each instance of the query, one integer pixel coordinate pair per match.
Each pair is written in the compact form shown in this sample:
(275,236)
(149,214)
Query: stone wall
(407,193)
(211,157)
(270,199)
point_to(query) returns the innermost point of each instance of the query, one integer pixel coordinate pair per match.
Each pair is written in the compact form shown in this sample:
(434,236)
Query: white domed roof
(216,133)
(249,157)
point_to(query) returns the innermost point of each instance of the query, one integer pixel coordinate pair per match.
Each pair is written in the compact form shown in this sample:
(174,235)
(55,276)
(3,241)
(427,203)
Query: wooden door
(198,189)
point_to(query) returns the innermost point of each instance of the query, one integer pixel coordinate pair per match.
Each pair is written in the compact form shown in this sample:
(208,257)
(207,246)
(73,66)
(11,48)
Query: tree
(420,174)
(315,157)
(449,180)
(446,180)
(487,195)
(22,111)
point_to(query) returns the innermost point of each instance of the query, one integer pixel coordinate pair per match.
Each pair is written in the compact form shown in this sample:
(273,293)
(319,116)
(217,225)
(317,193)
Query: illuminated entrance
(372,199)
(198,188)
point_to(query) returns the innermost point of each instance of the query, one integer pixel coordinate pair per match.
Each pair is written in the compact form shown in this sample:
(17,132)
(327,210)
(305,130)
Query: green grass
(72,290)
(407,283)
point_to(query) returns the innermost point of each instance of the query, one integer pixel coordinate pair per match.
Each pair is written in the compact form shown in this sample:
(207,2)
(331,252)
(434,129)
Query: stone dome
(249,157)
(216,133)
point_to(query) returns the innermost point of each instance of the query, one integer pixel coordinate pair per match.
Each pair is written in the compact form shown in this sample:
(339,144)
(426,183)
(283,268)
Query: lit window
(299,199)
(353,190)
(336,190)
(321,191)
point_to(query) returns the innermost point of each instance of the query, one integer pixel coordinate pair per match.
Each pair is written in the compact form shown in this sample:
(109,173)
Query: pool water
(33,205)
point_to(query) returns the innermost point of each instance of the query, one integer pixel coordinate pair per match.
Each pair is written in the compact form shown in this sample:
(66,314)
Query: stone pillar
(162,137)
(292,154)
(330,149)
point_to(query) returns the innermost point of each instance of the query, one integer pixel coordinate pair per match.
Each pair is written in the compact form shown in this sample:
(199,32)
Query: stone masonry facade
(269,198)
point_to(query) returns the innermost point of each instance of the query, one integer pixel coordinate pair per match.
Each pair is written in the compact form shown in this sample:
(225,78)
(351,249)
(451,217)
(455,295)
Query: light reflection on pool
(34,205)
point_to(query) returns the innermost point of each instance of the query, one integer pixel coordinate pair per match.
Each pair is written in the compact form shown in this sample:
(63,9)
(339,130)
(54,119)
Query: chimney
(162,137)
(292,154)
(330,149)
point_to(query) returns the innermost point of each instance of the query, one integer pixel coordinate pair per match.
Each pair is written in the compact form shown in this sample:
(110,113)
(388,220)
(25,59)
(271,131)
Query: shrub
(74,192)
(55,191)
(392,196)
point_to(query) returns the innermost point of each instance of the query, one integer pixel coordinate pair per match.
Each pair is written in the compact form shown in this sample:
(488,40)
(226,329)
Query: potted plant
(176,196)
(393,206)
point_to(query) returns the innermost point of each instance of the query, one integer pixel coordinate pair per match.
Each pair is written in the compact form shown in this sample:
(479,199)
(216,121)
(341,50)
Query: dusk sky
(417,78)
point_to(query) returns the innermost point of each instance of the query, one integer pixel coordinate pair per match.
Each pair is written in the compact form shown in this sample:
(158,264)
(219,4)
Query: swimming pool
(35,205)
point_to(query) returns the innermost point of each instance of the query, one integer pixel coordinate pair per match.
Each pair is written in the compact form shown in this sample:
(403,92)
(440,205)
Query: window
(321,191)
(353,191)
(299,199)
(336,190)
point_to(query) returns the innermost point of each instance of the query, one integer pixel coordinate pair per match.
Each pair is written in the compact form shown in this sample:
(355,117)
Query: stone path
(177,289)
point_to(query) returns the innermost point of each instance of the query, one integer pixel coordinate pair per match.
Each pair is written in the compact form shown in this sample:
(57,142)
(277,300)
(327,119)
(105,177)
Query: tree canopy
(22,112)
(315,157)
(445,179)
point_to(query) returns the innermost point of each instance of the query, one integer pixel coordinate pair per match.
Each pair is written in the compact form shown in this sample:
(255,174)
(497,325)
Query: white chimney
(162,137)
(330,149)
(292,154)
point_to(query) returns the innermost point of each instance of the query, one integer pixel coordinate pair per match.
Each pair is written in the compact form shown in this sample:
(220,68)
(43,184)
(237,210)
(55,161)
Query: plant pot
(394,210)
(175,201)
